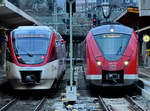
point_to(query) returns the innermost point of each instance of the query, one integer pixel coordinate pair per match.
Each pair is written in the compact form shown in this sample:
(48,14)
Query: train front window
(112,46)
(31,47)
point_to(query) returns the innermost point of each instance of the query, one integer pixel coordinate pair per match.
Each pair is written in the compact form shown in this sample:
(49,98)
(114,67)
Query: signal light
(68,26)
(94,21)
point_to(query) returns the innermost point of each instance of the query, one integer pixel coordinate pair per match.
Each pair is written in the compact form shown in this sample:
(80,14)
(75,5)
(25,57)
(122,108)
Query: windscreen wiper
(119,50)
(29,54)
(26,52)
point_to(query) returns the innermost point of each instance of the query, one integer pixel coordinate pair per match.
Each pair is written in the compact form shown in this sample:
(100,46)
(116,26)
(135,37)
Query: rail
(8,105)
(113,104)
(38,107)
(101,101)
(134,105)
(144,74)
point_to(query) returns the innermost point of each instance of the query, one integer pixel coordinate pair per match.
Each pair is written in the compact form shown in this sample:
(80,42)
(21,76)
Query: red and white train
(111,55)
(35,57)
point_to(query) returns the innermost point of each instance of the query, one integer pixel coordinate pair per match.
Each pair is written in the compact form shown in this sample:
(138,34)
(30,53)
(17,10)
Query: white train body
(32,70)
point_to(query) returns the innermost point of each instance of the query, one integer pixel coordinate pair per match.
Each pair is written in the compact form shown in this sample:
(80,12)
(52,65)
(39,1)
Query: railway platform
(144,76)
(144,73)
(2,77)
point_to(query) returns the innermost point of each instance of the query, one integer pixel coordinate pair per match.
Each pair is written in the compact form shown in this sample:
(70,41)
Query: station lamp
(146,38)
(106,9)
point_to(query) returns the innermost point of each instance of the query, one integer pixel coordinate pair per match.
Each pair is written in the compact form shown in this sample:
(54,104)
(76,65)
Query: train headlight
(99,63)
(126,63)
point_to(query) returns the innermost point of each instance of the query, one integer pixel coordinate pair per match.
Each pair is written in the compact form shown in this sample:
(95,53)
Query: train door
(59,54)
(64,55)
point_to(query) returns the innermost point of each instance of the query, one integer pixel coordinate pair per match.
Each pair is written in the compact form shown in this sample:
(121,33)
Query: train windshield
(112,46)
(31,47)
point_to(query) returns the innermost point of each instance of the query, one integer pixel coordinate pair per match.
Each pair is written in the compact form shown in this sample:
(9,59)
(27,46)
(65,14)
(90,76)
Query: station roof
(130,17)
(12,17)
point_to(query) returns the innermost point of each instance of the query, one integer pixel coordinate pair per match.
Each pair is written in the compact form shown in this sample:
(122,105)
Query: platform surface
(144,73)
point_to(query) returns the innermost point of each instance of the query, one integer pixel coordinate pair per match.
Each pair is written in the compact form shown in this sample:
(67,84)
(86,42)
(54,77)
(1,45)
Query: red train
(35,57)
(111,55)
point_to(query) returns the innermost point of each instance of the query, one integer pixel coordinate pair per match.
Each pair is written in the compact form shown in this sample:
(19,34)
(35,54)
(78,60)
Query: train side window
(53,55)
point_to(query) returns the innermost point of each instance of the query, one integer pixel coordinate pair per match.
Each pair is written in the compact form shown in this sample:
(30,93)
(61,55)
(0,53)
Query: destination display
(30,35)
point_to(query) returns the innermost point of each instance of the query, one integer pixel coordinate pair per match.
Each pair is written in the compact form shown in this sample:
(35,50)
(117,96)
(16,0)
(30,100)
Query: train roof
(33,28)
(118,28)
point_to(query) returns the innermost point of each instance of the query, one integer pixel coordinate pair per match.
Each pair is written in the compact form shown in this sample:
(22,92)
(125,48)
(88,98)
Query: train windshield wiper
(29,54)
(25,52)
(119,50)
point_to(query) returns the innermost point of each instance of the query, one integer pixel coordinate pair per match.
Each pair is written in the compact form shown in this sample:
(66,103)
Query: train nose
(30,79)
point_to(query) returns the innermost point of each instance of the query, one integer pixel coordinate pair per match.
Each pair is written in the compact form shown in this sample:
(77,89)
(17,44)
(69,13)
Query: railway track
(119,104)
(39,106)
(23,105)
(8,105)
